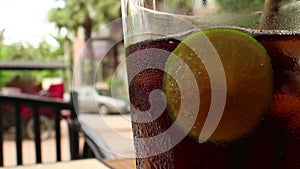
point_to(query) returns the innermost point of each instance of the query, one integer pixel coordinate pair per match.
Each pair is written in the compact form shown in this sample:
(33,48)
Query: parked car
(91,100)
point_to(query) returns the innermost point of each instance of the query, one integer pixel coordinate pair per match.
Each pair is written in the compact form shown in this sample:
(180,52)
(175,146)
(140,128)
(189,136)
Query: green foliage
(108,10)
(86,14)
(237,5)
(19,51)
(114,82)
(77,13)
(28,52)
(2,36)
(118,87)
(8,75)
(6,52)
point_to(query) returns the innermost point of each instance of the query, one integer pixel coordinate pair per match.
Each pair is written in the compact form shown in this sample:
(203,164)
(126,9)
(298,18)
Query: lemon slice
(248,81)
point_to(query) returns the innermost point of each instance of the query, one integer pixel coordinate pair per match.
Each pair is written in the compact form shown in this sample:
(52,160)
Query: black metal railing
(35,103)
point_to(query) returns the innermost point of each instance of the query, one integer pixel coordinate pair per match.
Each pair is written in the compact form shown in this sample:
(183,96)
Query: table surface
(81,164)
(122,163)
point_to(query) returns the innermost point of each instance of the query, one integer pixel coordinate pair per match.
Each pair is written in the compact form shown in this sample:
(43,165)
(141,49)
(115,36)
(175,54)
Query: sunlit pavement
(28,148)
(115,130)
(110,127)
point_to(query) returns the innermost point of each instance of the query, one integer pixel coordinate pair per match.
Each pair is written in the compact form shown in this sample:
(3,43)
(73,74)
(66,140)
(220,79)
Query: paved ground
(114,129)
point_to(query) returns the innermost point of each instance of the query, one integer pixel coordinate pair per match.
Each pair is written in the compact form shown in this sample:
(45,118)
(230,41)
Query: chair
(93,144)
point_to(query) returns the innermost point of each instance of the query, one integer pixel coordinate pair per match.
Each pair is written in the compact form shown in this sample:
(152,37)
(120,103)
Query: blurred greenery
(114,82)
(20,51)
(89,15)
(237,5)
(28,52)
(73,15)
(116,86)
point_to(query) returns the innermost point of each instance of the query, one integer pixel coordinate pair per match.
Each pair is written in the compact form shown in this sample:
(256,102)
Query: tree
(87,14)
(1,36)
(28,52)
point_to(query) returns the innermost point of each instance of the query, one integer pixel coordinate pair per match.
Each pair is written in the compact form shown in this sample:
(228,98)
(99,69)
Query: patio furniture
(36,102)
(93,145)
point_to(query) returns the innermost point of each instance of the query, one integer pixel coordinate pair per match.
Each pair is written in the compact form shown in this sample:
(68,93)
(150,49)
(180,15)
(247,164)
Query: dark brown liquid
(275,144)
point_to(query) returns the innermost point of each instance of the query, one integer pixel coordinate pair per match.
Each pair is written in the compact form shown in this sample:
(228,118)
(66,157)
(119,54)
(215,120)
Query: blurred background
(86,37)
(74,32)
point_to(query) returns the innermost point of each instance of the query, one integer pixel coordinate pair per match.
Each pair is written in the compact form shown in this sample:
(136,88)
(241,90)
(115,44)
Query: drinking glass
(214,84)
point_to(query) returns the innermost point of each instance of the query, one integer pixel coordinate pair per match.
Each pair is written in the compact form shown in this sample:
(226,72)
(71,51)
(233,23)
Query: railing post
(37,132)
(35,103)
(18,121)
(57,112)
(74,127)
(1,134)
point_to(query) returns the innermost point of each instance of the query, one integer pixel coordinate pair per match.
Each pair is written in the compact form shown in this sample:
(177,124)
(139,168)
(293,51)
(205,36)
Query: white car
(91,100)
